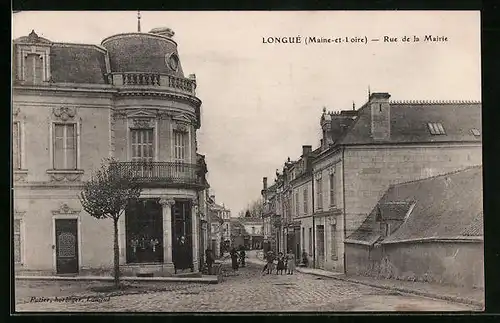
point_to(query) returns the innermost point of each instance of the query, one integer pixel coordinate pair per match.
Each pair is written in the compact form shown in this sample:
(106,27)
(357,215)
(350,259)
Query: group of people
(237,258)
(283,263)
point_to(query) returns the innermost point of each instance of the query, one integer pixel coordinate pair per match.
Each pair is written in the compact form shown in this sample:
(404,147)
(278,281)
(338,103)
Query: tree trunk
(116,254)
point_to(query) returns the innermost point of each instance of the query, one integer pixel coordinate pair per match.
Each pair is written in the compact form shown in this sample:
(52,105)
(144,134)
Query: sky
(263,101)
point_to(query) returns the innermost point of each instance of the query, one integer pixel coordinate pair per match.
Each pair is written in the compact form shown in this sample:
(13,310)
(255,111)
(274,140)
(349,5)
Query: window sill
(65,171)
(65,175)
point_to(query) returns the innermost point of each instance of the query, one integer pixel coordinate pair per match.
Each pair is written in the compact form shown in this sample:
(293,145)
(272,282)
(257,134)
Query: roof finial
(353,106)
(369,92)
(138,21)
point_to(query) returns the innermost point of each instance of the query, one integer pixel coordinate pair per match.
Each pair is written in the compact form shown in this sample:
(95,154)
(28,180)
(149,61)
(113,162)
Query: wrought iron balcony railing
(163,173)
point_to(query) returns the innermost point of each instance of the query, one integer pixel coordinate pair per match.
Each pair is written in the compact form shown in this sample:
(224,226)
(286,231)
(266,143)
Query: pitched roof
(409,122)
(447,206)
(75,63)
(385,210)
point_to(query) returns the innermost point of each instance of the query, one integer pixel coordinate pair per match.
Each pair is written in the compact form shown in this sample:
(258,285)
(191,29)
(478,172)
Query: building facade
(364,151)
(220,230)
(425,230)
(75,104)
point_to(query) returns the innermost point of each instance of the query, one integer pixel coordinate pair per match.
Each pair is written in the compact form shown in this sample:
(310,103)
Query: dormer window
(436,128)
(33,59)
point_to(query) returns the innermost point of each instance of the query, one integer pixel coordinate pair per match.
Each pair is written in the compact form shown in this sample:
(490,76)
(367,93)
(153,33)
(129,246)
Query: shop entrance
(144,231)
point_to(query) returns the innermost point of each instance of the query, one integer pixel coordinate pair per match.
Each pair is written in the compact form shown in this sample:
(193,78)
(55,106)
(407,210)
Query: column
(167,229)
(194,234)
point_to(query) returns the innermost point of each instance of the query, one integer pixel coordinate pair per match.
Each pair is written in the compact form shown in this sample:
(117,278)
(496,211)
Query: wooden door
(66,246)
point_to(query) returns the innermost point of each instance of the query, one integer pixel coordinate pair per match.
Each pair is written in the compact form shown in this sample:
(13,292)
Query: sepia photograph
(246,161)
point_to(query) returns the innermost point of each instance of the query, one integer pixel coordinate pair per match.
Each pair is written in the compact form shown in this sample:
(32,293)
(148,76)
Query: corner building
(75,104)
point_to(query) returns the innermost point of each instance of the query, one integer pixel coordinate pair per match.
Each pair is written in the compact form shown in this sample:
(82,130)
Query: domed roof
(153,52)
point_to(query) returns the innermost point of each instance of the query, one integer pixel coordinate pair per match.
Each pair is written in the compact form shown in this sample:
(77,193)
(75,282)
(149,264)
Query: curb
(405,290)
(205,280)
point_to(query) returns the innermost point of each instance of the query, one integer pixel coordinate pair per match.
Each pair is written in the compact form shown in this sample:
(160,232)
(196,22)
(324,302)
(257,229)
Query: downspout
(344,214)
(313,222)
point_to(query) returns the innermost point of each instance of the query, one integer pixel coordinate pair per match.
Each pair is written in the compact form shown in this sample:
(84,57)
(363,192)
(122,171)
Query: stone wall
(456,263)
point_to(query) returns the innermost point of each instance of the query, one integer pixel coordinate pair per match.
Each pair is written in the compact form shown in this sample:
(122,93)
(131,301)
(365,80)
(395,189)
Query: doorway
(320,229)
(182,227)
(144,231)
(66,246)
(298,254)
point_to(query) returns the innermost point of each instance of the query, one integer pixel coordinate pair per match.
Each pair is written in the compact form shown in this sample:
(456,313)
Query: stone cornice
(107,89)
(190,99)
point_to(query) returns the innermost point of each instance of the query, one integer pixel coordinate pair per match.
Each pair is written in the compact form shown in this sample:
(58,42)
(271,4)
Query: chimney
(381,116)
(264,182)
(163,31)
(306,150)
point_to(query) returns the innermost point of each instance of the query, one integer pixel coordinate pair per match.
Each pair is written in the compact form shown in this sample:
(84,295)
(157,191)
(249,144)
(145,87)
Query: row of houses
(385,190)
(226,232)
(75,104)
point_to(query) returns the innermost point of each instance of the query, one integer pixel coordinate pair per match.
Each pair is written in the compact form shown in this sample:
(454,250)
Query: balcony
(155,80)
(164,174)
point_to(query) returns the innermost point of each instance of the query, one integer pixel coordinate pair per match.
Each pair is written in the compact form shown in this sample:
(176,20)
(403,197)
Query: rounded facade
(143,52)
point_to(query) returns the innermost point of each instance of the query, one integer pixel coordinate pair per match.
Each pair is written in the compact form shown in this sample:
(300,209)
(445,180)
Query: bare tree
(254,209)
(106,195)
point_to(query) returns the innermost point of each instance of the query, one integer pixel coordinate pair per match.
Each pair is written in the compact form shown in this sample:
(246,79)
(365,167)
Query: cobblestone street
(249,291)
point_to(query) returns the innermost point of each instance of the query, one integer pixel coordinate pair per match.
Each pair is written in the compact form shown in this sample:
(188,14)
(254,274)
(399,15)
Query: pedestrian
(269,256)
(234,259)
(209,260)
(242,256)
(290,260)
(181,256)
(305,260)
(281,264)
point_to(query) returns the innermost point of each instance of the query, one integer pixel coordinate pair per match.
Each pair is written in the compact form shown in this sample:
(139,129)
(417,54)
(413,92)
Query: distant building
(219,219)
(253,232)
(424,230)
(329,191)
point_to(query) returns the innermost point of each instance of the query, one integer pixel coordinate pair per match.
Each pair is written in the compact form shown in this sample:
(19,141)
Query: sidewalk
(454,294)
(207,279)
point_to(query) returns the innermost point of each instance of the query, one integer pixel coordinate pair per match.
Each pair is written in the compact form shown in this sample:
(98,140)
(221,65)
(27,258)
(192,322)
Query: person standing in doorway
(181,260)
(290,259)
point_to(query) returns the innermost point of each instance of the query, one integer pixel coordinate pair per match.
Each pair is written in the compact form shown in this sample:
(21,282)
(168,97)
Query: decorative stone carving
(181,127)
(19,214)
(15,111)
(66,177)
(20,177)
(65,209)
(64,113)
(142,123)
(167,201)
(33,37)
